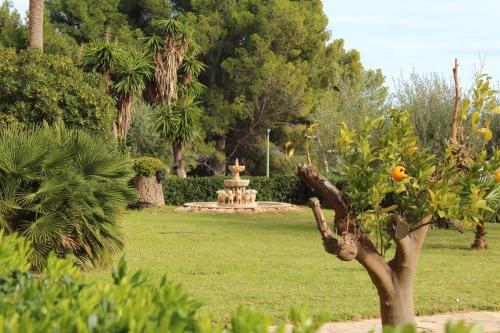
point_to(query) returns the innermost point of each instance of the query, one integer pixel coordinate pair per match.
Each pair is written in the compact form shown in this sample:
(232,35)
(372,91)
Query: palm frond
(179,120)
(132,69)
(100,56)
(155,43)
(193,66)
(67,202)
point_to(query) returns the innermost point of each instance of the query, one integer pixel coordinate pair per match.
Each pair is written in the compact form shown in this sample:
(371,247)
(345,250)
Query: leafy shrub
(63,189)
(36,88)
(147,166)
(282,188)
(62,300)
(429,100)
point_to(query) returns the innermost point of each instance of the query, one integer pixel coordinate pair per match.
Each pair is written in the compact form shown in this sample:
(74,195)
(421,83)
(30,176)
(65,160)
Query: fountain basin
(232,183)
(214,207)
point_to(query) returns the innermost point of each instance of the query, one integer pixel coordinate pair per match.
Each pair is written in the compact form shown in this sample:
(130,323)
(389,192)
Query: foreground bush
(63,190)
(281,188)
(36,88)
(61,300)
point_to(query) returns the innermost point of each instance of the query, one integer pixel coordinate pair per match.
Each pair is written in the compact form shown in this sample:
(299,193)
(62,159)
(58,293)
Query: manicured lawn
(273,261)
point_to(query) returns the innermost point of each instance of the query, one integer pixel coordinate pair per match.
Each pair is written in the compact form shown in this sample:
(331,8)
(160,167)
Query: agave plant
(63,189)
(132,69)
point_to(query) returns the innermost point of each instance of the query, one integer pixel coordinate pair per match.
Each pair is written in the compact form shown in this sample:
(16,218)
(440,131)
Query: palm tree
(100,56)
(168,55)
(174,56)
(178,123)
(35,20)
(132,69)
(63,189)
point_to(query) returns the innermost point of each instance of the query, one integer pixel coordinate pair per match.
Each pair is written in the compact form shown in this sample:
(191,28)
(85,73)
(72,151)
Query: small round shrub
(147,166)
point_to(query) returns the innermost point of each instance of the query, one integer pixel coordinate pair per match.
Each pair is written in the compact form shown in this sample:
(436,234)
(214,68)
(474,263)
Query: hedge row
(282,188)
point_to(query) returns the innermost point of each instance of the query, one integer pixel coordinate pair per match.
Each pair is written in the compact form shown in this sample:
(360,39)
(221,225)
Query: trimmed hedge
(282,189)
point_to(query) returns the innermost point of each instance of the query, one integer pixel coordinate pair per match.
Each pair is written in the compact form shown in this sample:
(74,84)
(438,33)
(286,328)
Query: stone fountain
(235,193)
(236,197)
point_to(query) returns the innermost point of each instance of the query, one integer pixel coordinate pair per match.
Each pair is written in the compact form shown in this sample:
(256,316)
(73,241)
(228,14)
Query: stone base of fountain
(214,207)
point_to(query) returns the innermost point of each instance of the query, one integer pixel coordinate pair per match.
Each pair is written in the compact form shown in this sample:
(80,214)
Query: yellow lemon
(398,173)
(497,176)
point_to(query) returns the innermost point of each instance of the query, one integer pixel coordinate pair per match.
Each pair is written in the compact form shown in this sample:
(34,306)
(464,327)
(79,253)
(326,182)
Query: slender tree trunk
(220,166)
(178,162)
(393,279)
(456,109)
(125,104)
(35,21)
(480,239)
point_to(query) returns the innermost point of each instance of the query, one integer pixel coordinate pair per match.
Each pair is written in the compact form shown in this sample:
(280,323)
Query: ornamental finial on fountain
(236,169)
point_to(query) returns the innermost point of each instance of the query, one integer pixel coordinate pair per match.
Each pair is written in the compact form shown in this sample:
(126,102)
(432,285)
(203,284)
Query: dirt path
(490,322)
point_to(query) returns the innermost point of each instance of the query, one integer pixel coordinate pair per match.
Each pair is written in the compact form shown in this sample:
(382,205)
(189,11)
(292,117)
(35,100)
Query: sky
(399,36)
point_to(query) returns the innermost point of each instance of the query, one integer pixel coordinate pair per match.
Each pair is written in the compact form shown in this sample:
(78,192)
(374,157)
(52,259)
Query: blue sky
(426,35)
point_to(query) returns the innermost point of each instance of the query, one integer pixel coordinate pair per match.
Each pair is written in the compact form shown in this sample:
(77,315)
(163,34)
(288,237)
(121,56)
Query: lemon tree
(395,189)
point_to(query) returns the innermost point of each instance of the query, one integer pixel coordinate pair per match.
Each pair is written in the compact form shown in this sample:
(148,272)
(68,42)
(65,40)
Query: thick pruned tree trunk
(35,21)
(179,168)
(480,239)
(393,279)
(150,190)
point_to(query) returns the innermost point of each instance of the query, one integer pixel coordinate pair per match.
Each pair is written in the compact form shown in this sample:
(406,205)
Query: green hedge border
(199,189)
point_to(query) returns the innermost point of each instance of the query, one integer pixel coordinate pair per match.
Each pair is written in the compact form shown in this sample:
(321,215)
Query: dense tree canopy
(37,88)
(12,31)
(268,64)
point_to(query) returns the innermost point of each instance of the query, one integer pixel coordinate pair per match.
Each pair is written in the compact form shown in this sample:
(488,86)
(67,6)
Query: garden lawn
(273,261)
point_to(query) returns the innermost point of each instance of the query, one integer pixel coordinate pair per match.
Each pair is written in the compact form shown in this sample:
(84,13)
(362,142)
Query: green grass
(273,261)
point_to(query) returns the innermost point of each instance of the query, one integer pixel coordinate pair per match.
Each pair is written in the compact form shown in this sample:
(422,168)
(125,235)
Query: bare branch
(419,234)
(326,190)
(399,232)
(454,119)
(330,240)
(407,247)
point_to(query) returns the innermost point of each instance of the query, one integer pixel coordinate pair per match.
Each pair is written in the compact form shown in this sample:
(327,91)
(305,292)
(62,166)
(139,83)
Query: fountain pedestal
(235,193)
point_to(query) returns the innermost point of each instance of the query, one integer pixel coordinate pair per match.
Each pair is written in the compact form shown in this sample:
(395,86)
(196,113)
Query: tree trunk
(393,279)
(396,305)
(150,190)
(480,239)
(179,169)
(125,104)
(220,166)
(35,21)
